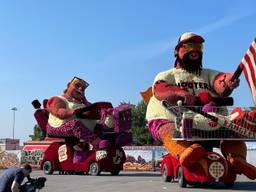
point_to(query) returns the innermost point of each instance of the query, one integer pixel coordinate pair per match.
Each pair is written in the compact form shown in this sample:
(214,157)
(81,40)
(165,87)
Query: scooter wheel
(47,168)
(164,174)
(94,169)
(181,179)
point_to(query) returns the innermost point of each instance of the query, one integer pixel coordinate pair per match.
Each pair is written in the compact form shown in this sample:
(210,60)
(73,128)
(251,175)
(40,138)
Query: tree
(38,135)
(141,135)
(252,108)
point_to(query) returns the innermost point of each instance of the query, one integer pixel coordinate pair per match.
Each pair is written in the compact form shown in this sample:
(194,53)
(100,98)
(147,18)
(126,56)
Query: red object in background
(219,170)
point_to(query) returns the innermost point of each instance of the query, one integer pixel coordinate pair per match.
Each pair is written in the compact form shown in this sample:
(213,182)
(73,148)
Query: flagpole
(236,75)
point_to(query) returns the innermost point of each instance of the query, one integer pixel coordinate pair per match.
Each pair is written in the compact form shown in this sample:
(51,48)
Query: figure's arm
(15,186)
(29,178)
(17,181)
(222,81)
(57,107)
(164,91)
(86,102)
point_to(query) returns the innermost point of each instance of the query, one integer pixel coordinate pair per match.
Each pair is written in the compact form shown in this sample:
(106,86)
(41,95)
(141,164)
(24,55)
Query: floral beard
(192,66)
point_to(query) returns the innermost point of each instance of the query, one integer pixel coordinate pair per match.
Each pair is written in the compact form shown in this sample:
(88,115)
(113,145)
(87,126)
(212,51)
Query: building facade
(9,144)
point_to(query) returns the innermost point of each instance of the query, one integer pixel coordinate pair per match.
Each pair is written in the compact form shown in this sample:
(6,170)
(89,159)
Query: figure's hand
(79,112)
(173,99)
(186,98)
(189,99)
(70,112)
(89,112)
(233,84)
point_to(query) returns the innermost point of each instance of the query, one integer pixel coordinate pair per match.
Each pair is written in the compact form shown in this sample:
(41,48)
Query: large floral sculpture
(186,81)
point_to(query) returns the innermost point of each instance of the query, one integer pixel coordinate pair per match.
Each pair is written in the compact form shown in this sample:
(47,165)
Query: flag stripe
(253,56)
(252,49)
(249,63)
(249,80)
(248,75)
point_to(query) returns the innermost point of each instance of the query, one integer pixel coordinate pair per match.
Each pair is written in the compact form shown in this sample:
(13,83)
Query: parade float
(189,110)
(72,147)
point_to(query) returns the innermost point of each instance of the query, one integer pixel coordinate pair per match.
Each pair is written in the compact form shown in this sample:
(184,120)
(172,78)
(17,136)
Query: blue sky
(117,46)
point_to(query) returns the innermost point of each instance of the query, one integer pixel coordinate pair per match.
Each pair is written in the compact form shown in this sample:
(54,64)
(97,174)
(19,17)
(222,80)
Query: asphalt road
(128,182)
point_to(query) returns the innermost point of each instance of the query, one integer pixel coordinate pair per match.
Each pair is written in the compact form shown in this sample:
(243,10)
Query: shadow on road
(245,185)
(238,186)
(136,174)
(122,174)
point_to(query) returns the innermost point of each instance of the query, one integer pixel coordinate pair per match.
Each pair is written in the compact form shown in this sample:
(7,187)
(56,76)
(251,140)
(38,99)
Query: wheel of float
(115,172)
(164,174)
(94,169)
(181,179)
(47,168)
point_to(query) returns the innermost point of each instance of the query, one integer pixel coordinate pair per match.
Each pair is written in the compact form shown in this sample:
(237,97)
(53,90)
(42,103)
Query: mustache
(191,65)
(79,91)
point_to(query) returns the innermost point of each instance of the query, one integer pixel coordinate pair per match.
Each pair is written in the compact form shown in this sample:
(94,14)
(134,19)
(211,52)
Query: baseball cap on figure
(188,37)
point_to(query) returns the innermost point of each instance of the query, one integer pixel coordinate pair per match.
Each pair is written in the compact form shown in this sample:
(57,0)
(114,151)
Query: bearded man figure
(184,82)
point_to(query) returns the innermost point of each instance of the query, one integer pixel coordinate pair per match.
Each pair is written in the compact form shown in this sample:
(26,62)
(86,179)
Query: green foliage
(38,135)
(141,135)
(252,108)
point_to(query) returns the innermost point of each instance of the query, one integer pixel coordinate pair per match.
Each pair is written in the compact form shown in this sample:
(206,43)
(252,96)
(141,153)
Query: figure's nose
(81,89)
(194,55)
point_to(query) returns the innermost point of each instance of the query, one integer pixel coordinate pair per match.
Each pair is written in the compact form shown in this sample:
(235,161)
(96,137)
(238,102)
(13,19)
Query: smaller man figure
(63,120)
(12,178)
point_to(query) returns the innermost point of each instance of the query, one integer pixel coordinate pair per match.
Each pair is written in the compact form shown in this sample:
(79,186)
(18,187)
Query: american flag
(248,64)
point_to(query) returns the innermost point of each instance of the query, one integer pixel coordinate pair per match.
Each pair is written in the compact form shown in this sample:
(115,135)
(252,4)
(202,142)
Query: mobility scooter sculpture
(59,154)
(68,151)
(222,128)
(207,127)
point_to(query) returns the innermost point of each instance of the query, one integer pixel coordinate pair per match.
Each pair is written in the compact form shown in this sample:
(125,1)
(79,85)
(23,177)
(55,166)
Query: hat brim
(193,39)
(196,39)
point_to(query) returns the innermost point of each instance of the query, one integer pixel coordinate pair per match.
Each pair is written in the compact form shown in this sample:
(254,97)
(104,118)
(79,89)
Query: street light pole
(13,127)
